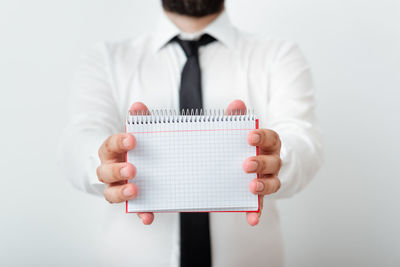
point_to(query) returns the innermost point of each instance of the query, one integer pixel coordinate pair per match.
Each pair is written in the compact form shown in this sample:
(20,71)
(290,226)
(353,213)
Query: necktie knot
(191,47)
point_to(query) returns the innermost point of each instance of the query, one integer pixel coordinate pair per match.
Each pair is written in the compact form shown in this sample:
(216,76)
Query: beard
(193,8)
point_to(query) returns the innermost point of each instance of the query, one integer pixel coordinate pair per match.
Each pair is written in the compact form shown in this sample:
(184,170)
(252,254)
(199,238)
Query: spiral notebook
(191,163)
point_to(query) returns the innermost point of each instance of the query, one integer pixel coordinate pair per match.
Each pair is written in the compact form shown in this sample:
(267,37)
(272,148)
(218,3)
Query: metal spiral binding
(192,115)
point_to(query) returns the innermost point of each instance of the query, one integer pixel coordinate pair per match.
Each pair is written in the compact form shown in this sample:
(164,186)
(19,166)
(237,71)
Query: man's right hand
(114,171)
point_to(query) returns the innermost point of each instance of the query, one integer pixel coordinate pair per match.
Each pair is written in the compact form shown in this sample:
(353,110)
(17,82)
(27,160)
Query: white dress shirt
(271,76)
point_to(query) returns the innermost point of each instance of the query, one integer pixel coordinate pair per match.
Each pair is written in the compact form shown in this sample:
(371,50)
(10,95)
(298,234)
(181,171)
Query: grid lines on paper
(193,166)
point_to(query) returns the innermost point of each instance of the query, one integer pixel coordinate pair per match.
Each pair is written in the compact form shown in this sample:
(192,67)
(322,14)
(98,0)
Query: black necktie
(194,227)
(190,96)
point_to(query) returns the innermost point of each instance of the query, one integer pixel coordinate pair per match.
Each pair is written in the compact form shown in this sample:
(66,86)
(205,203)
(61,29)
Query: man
(196,58)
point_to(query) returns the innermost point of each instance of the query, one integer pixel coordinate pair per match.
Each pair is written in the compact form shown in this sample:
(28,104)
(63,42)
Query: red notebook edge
(258,176)
(126,182)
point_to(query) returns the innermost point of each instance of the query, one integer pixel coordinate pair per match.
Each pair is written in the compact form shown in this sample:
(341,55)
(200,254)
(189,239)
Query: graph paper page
(192,166)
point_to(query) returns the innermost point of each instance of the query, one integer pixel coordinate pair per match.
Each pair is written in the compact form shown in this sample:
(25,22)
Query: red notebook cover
(257,153)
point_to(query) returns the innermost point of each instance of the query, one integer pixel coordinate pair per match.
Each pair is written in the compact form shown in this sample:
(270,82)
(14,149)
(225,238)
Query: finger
(115,172)
(263,164)
(138,108)
(267,140)
(253,218)
(236,107)
(265,186)
(120,193)
(114,148)
(146,217)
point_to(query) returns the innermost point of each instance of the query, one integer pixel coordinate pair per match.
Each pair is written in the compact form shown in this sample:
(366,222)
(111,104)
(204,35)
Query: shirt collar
(221,29)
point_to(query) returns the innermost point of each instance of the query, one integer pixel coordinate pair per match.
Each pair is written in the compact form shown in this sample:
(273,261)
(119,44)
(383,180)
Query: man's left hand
(266,165)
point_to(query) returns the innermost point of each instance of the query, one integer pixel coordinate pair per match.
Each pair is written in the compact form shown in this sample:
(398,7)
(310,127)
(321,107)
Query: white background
(348,216)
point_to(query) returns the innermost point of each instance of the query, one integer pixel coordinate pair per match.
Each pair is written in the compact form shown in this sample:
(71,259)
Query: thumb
(236,107)
(138,108)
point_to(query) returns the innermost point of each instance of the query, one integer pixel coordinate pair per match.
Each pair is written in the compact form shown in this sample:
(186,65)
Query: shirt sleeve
(291,113)
(92,118)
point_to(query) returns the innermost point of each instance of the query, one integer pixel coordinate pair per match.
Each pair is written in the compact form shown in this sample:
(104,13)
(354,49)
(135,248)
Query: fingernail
(252,165)
(259,187)
(125,142)
(255,138)
(124,172)
(128,191)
